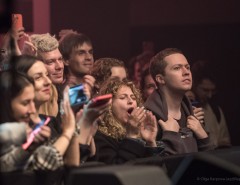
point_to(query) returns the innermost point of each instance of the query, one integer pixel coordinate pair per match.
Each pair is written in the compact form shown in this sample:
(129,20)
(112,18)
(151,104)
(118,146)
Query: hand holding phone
(34,132)
(196,104)
(77,97)
(17,21)
(100,100)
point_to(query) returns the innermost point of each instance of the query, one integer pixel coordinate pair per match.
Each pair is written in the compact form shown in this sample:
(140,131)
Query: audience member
(140,62)
(147,84)
(45,47)
(77,53)
(180,130)
(204,87)
(36,70)
(106,68)
(126,130)
(18,106)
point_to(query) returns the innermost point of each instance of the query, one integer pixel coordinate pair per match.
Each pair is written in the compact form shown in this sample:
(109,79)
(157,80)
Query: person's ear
(66,62)
(160,79)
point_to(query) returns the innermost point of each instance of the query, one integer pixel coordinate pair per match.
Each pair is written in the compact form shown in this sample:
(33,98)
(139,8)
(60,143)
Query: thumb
(161,122)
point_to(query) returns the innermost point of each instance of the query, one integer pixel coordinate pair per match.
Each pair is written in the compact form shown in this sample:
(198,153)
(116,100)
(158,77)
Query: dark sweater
(180,142)
(112,151)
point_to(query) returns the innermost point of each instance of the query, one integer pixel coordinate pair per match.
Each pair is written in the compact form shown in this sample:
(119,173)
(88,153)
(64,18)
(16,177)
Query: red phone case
(17,21)
(100,100)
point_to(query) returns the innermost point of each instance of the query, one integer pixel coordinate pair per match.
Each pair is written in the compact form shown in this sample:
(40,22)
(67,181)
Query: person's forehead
(37,67)
(124,90)
(176,58)
(54,54)
(117,70)
(83,46)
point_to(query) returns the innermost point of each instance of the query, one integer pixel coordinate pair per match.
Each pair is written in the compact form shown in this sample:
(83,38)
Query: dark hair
(11,85)
(101,70)
(71,41)
(145,73)
(158,64)
(23,63)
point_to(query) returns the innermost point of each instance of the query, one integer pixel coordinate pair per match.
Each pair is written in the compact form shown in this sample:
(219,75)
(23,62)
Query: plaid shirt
(45,157)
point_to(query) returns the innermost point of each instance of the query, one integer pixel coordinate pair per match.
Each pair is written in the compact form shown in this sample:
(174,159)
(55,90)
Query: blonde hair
(109,125)
(44,42)
(50,107)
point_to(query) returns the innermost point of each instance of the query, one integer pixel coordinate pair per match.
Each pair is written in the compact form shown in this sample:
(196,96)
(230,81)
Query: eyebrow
(126,94)
(39,73)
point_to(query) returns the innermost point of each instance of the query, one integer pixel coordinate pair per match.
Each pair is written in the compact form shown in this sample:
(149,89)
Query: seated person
(126,131)
(105,68)
(18,106)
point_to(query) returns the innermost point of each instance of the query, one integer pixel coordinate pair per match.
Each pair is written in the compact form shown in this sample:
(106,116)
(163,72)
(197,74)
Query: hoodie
(180,142)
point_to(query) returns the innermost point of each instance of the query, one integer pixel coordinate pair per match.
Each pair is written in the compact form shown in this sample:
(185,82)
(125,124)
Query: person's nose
(59,64)
(47,81)
(185,70)
(32,108)
(89,56)
(130,100)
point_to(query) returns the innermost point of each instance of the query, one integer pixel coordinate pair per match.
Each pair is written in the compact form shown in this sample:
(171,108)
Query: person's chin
(57,81)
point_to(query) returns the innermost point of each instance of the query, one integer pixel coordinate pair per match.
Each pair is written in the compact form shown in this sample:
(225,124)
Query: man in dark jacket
(180,131)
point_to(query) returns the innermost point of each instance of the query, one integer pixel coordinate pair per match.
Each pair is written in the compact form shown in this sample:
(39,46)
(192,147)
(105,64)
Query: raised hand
(68,118)
(170,125)
(88,81)
(135,120)
(28,47)
(43,135)
(199,114)
(86,120)
(149,129)
(195,125)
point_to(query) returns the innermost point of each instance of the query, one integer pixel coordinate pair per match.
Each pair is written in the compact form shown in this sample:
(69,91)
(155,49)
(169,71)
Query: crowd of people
(150,115)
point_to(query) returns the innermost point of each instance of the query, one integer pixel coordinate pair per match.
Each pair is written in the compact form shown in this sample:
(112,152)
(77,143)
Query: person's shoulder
(100,136)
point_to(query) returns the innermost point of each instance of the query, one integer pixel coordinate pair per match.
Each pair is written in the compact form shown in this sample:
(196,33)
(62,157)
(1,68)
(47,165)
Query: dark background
(203,29)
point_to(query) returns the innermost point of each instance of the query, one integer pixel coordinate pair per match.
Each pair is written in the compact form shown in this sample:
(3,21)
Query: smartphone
(77,96)
(34,132)
(17,21)
(101,100)
(196,104)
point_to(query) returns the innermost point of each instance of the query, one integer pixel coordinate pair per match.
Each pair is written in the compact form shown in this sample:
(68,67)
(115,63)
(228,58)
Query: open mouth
(130,110)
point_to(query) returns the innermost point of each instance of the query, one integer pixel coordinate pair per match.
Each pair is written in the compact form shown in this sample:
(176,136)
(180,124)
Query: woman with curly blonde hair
(126,131)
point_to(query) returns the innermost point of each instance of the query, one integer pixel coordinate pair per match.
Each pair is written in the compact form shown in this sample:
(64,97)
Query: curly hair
(44,42)
(101,70)
(109,125)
